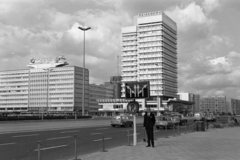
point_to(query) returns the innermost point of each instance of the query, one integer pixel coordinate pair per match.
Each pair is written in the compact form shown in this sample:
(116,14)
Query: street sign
(135,90)
(133,107)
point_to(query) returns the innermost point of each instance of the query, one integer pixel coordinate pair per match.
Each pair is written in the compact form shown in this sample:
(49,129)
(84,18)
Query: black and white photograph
(119,79)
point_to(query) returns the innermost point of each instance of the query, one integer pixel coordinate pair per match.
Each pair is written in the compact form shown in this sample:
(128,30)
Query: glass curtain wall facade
(149,53)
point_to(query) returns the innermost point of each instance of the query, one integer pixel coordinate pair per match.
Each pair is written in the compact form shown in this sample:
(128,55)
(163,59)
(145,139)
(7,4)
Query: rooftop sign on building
(47,62)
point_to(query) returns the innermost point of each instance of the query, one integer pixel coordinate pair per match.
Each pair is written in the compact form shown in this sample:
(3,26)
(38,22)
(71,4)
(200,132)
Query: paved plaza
(213,144)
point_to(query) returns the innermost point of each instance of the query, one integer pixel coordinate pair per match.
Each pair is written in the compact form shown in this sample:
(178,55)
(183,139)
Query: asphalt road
(59,144)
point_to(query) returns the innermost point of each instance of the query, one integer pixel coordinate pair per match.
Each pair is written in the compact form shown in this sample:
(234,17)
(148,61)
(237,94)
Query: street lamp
(83,88)
(48,72)
(158,96)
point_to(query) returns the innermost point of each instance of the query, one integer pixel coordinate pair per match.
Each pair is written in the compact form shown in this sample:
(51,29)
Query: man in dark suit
(148,124)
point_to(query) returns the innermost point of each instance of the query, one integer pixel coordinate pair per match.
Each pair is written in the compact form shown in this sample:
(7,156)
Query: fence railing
(77,142)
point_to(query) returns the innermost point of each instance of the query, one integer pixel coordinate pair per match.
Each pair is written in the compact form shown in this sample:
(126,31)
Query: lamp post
(158,96)
(83,88)
(48,72)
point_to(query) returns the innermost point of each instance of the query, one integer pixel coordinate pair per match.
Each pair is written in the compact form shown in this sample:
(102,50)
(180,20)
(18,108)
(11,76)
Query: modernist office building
(101,91)
(46,86)
(149,53)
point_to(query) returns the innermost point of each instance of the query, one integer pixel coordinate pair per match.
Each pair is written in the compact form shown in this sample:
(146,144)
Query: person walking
(148,124)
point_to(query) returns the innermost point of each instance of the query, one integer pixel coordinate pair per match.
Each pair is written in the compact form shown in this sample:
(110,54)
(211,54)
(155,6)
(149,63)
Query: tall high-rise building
(149,53)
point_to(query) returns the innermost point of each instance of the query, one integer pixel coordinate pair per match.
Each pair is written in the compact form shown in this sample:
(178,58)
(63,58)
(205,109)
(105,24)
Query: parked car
(165,121)
(199,116)
(210,118)
(122,120)
(180,118)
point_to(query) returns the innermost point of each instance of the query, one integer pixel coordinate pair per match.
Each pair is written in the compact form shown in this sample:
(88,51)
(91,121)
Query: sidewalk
(214,144)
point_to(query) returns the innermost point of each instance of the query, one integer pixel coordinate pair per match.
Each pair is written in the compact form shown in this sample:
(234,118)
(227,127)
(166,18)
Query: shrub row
(16,118)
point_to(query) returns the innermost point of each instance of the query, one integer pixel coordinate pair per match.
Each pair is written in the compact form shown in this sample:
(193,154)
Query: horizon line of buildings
(149,53)
(58,90)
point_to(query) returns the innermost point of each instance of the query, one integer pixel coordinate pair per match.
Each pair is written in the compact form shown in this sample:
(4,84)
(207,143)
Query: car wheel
(157,127)
(113,125)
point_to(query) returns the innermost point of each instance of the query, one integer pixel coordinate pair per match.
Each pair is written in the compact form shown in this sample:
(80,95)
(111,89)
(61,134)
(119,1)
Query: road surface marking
(53,147)
(101,128)
(59,138)
(4,144)
(29,135)
(128,130)
(69,131)
(132,134)
(95,133)
(102,139)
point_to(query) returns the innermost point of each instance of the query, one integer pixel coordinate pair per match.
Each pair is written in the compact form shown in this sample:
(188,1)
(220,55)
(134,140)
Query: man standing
(148,124)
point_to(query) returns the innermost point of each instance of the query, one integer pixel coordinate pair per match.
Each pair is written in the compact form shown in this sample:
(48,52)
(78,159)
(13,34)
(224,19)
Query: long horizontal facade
(54,89)
(220,104)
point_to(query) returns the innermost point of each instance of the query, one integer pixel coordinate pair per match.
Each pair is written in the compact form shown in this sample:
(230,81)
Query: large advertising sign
(47,62)
(135,90)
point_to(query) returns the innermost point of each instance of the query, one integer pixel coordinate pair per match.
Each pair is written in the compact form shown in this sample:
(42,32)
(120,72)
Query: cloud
(208,50)
(210,5)
(220,65)
(234,54)
(189,16)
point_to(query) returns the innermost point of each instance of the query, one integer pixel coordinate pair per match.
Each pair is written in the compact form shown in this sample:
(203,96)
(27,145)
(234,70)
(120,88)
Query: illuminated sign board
(136,90)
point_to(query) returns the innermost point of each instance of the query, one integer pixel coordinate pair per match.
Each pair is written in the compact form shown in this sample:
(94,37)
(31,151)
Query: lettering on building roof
(150,14)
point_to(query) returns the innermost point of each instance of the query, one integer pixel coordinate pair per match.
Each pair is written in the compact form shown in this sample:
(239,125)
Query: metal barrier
(166,132)
(103,136)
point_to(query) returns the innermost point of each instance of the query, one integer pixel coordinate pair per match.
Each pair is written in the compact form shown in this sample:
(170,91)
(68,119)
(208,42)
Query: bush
(45,117)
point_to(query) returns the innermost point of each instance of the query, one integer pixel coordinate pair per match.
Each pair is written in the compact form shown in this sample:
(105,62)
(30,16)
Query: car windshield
(117,118)
(163,118)
(120,117)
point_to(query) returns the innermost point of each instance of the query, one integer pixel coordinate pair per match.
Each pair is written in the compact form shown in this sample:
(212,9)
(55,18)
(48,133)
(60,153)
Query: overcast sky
(208,37)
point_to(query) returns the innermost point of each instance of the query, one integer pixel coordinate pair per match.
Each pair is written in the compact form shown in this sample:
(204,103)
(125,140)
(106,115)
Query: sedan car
(121,121)
(165,121)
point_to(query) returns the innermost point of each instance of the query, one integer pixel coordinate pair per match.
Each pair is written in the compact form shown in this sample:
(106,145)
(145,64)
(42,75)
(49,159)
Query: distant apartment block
(233,106)
(213,104)
(149,53)
(193,98)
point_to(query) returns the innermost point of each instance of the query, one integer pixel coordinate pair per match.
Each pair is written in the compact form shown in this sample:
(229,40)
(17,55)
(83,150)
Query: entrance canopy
(180,106)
